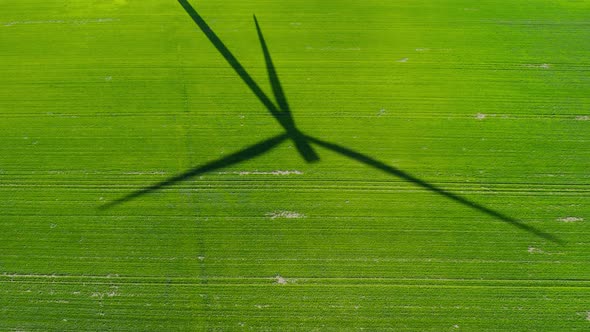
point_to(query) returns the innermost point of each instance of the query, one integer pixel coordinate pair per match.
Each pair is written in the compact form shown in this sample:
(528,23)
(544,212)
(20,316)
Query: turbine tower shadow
(303,143)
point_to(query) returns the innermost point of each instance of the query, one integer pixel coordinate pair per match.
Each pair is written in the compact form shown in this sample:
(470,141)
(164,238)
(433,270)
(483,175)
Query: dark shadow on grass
(298,138)
(273,77)
(430,187)
(282,113)
(248,153)
(302,142)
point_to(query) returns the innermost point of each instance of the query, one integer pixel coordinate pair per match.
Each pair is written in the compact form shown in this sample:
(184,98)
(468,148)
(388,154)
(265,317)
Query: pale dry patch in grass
(537,251)
(277,172)
(541,66)
(570,219)
(583,118)
(584,314)
(280,280)
(285,215)
(102,295)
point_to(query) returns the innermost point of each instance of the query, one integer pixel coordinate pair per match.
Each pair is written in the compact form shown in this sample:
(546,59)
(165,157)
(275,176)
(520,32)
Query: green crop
(294,165)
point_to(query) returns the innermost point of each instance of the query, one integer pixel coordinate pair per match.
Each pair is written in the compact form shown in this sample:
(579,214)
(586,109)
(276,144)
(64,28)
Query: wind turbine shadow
(303,143)
(430,187)
(282,113)
(248,153)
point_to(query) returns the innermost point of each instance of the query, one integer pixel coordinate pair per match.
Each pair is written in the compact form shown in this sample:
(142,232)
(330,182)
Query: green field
(348,165)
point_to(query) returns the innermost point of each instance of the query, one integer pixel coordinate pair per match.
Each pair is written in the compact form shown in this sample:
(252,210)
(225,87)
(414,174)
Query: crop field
(305,165)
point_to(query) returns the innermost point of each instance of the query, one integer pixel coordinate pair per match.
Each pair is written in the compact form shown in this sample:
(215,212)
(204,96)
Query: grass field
(429,168)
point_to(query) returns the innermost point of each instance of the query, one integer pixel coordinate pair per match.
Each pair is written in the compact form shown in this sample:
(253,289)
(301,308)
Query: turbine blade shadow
(304,148)
(248,153)
(428,186)
(230,58)
(272,74)
(282,114)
